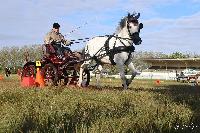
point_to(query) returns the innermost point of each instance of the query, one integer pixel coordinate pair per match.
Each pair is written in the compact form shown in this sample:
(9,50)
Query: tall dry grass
(145,107)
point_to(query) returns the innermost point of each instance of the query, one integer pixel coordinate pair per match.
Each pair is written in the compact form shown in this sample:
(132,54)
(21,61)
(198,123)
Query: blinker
(140,25)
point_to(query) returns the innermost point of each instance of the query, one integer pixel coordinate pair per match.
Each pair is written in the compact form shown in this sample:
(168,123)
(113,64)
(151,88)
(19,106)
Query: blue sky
(169,25)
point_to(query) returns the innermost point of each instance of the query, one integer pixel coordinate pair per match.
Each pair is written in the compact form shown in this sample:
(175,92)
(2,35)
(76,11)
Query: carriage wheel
(50,74)
(66,80)
(29,70)
(86,78)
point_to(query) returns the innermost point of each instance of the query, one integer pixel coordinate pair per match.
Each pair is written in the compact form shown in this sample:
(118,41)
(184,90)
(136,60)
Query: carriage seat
(48,50)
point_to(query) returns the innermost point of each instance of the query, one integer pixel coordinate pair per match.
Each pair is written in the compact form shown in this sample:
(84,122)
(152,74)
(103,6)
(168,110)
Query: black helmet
(56,25)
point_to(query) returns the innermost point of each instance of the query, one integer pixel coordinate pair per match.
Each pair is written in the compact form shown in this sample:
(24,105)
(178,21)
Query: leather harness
(119,49)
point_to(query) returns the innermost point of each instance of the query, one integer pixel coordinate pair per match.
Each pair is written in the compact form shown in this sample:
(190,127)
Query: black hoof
(127,83)
(123,85)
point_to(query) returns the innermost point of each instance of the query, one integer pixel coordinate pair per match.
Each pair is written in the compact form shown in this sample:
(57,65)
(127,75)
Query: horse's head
(134,27)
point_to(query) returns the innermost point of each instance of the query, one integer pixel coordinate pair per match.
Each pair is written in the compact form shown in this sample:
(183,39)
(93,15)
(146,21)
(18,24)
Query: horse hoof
(127,82)
(79,85)
(98,86)
(125,87)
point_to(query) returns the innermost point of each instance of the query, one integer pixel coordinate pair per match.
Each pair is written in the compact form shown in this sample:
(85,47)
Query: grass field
(145,107)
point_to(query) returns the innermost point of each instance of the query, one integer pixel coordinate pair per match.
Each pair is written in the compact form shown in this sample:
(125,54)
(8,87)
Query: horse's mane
(121,25)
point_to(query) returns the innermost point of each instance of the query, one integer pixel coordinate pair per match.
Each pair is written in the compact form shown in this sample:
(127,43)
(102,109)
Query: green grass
(145,107)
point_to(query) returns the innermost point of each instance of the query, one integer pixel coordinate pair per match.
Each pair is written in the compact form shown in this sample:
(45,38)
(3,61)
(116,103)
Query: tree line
(16,57)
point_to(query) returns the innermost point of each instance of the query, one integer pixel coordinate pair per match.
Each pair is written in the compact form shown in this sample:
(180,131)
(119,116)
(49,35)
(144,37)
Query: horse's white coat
(95,44)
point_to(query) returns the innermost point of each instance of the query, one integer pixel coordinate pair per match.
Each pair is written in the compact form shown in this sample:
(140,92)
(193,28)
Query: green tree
(15,57)
(179,55)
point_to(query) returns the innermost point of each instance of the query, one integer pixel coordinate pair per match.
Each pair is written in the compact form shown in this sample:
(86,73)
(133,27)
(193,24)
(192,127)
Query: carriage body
(56,70)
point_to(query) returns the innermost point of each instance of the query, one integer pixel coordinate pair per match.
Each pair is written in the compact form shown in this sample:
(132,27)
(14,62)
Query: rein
(87,39)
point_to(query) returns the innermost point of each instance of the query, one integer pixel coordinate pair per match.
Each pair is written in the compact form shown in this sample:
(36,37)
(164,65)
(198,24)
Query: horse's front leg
(122,75)
(133,73)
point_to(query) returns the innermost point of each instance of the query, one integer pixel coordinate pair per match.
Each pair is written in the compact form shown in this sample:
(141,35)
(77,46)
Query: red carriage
(55,70)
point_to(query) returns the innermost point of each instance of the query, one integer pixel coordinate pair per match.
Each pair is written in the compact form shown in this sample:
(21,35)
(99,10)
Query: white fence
(151,75)
(157,75)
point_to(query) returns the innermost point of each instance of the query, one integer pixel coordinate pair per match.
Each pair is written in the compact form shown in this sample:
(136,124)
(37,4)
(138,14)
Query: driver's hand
(71,43)
(66,42)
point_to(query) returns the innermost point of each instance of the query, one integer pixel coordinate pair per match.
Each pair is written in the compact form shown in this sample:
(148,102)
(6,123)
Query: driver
(55,38)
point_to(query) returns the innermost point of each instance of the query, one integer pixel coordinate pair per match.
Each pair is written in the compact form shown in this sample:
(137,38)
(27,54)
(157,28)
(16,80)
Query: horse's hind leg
(98,75)
(81,75)
(122,75)
(83,66)
(133,73)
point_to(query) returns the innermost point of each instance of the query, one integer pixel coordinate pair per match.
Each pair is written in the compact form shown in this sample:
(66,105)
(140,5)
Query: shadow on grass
(102,88)
(174,92)
(181,94)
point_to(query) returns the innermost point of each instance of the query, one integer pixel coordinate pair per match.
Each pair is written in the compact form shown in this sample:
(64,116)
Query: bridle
(124,48)
(131,35)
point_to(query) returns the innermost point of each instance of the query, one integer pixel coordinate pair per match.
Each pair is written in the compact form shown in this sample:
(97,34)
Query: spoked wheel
(86,78)
(29,70)
(73,78)
(50,74)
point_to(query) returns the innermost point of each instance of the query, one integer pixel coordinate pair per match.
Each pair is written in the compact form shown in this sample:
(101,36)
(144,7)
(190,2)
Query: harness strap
(129,56)
(108,52)
(115,50)
(123,49)
(129,49)
(96,59)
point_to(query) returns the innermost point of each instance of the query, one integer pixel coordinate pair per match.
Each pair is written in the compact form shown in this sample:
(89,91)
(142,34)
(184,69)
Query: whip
(77,28)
